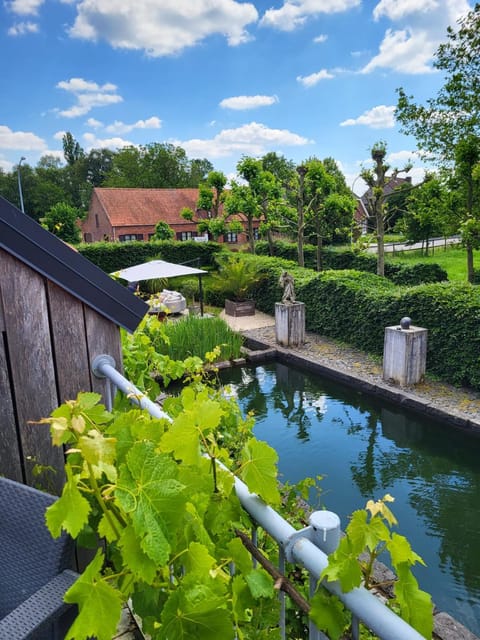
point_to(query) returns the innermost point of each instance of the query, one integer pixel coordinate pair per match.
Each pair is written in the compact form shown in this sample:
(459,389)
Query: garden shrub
(338,260)
(113,256)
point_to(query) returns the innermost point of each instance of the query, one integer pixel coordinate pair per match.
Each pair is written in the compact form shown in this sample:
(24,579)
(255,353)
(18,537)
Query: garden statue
(286,281)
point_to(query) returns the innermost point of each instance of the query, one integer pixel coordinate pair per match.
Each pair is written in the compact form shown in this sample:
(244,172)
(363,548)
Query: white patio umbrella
(160,269)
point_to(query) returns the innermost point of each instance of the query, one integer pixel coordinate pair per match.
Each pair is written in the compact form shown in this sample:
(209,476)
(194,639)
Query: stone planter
(237,309)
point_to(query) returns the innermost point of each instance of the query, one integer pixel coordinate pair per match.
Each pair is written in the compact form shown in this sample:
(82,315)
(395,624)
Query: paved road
(391,247)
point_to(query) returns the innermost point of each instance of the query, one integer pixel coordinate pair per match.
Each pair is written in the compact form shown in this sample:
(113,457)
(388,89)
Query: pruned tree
(376,180)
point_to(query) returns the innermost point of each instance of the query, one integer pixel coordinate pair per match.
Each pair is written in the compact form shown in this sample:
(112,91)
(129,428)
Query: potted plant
(236,277)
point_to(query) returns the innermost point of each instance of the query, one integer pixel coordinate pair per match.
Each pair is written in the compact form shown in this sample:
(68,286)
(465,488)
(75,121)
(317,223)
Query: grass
(452,259)
(196,336)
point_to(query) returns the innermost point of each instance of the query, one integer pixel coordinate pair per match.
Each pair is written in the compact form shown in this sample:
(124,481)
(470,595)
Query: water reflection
(365,449)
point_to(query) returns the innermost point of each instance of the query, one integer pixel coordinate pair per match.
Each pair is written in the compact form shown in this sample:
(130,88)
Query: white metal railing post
(300,547)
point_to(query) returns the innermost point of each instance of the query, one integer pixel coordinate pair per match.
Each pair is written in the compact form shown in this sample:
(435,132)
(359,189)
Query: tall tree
(265,196)
(72,150)
(61,219)
(447,126)
(427,211)
(209,215)
(376,180)
(329,206)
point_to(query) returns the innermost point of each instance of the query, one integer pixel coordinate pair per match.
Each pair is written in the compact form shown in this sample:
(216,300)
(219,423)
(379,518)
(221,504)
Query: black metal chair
(35,569)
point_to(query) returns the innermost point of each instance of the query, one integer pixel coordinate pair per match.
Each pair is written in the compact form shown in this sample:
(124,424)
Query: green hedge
(355,307)
(112,256)
(418,273)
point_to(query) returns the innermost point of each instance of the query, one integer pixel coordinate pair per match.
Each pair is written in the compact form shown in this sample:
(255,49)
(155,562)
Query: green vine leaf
(99,604)
(100,453)
(149,492)
(401,551)
(343,566)
(415,605)
(260,583)
(329,614)
(259,470)
(195,613)
(142,567)
(70,511)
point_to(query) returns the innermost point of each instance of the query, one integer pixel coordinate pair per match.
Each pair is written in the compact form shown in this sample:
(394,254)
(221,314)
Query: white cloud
(250,139)
(20,140)
(295,13)
(59,135)
(381,117)
(25,7)
(320,39)
(162,28)
(21,28)
(315,78)
(422,25)
(79,85)
(88,95)
(404,51)
(121,127)
(93,123)
(397,9)
(241,103)
(106,143)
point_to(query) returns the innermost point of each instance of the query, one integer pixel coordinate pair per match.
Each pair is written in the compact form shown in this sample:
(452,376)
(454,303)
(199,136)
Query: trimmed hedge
(112,256)
(356,307)
(410,274)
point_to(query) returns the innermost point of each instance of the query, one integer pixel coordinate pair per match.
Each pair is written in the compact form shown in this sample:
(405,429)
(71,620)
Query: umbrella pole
(200,293)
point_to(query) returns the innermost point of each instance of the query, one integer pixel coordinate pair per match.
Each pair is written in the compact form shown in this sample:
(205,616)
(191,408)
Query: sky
(220,78)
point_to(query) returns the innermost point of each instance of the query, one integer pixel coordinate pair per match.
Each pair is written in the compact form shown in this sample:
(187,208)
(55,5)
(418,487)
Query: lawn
(452,259)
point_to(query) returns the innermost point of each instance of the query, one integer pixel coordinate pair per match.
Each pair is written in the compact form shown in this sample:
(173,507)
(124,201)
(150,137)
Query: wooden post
(290,323)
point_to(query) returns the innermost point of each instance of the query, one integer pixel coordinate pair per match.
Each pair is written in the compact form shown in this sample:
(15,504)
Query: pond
(365,448)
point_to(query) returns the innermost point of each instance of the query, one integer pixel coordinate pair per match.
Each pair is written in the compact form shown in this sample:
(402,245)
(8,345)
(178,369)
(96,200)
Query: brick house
(119,215)
(362,217)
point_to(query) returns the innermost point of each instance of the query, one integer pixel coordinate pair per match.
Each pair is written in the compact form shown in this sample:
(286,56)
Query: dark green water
(364,448)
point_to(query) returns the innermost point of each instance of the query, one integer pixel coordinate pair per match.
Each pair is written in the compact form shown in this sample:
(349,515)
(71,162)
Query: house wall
(96,226)
(49,339)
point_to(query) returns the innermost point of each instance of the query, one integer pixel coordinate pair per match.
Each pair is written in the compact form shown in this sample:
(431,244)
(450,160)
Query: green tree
(163,231)
(427,211)
(377,179)
(260,199)
(61,219)
(447,125)
(209,216)
(72,150)
(329,207)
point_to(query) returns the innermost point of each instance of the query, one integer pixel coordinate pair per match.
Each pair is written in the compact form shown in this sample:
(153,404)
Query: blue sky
(221,78)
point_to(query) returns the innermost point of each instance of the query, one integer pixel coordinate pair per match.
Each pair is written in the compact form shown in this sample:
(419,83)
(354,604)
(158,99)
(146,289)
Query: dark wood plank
(69,343)
(10,455)
(31,359)
(103,337)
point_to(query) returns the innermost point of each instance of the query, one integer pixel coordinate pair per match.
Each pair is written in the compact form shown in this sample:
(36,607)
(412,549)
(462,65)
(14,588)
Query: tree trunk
(301,216)
(251,239)
(470,269)
(271,246)
(380,238)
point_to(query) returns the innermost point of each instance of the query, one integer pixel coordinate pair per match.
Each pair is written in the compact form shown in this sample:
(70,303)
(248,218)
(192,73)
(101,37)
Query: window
(97,222)
(256,234)
(231,236)
(186,235)
(87,237)
(130,236)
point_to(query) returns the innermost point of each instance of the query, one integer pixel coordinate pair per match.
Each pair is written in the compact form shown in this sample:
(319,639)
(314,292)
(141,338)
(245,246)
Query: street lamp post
(20,184)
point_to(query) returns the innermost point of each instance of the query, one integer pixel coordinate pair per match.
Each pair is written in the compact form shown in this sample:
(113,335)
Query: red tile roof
(145,206)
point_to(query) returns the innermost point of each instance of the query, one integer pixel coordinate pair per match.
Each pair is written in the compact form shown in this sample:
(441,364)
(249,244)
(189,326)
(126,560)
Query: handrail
(308,547)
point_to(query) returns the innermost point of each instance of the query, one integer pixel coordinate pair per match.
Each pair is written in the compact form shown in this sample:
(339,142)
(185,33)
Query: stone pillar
(290,323)
(404,354)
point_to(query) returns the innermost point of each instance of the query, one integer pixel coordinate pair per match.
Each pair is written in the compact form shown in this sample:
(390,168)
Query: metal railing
(308,547)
